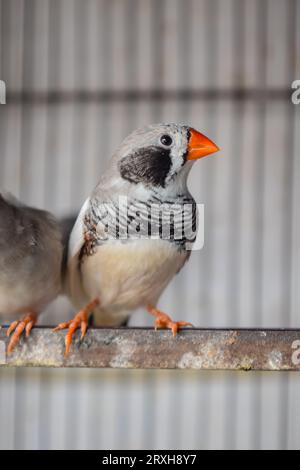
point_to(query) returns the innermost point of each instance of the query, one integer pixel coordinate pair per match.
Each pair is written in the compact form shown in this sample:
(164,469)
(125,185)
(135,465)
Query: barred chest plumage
(127,220)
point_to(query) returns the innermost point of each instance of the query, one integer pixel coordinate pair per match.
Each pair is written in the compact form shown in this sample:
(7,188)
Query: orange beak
(199,145)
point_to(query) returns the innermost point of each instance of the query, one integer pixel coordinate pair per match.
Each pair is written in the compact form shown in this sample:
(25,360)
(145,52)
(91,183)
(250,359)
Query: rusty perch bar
(144,348)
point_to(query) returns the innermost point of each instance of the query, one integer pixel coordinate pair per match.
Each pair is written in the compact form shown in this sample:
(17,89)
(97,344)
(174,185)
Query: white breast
(128,275)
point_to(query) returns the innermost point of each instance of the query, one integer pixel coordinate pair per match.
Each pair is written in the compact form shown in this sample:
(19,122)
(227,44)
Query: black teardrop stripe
(150,165)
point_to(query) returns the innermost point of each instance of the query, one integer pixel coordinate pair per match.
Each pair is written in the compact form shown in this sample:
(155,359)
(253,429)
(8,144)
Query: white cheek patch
(177,153)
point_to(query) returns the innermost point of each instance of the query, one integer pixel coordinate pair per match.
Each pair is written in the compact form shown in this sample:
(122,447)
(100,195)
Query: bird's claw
(17,327)
(163,320)
(172,325)
(79,321)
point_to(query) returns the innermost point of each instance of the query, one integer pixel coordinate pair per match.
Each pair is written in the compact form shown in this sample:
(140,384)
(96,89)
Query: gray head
(156,158)
(154,155)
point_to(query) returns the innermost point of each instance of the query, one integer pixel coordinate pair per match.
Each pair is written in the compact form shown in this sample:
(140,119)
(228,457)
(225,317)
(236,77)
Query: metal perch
(144,348)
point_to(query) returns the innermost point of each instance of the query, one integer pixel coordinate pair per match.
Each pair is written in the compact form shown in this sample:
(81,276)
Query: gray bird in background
(30,264)
(113,266)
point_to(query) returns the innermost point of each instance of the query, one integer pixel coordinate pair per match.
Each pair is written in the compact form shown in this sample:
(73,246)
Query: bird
(31,252)
(111,270)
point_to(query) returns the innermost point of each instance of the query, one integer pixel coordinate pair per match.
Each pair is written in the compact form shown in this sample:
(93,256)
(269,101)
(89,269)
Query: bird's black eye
(166,140)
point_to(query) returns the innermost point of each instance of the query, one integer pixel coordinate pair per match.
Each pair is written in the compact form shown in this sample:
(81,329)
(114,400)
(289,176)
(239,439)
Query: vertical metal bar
(3,118)
(128,112)
(19,390)
(158,31)
(235,197)
(262,25)
(130,29)
(157,20)
(53,56)
(180,286)
(79,110)
(287,222)
(210,71)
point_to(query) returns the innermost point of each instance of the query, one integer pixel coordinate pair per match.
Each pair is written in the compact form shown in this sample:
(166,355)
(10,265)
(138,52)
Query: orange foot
(164,321)
(26,323)
(80,320)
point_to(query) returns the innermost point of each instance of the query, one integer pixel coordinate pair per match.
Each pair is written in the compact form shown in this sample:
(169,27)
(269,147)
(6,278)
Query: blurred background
(80,76)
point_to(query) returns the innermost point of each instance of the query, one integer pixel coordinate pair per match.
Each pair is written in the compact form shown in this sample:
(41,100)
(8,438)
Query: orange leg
(80,320)
(17,328)
(162,320)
